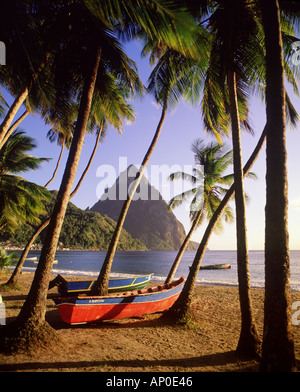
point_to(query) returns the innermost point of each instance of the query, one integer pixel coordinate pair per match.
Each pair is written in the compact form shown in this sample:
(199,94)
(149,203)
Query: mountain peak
(119,190)
(148,218)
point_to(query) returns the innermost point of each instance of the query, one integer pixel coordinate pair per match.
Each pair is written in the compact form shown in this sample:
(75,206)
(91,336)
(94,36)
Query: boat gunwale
(116,278)
(113,289)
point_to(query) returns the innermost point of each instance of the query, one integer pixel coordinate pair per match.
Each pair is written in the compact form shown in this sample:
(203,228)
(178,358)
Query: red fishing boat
(85,309)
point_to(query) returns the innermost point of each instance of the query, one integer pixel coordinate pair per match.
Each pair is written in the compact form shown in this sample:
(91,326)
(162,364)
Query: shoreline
(156,279)
(145,343)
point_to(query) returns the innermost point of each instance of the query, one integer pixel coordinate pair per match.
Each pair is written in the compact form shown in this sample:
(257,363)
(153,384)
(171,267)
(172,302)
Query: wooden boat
(82,309)
(115,285)
(216,266)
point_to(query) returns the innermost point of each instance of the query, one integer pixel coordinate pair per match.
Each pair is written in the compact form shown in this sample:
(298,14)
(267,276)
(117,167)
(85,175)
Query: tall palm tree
(62,141)
(111,110)
(167,82)
(236,54)
(278,345)
(101,285)
(215,109)
(180,310)
(91,46)
(21,200)
(208,182)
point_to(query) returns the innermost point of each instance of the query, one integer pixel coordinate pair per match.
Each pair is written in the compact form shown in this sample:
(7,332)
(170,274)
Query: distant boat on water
(216,266)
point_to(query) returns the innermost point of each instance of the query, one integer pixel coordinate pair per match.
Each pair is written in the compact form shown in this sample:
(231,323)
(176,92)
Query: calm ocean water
(88,263)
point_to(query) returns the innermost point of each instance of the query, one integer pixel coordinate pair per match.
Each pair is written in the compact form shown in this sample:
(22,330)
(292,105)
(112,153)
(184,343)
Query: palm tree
(215,108)
(235,55)
(21,200)
(167,82)
(109,110)
(278,345)
(180,310)
(92,46)
(209,181)
(24,29)
(62,141)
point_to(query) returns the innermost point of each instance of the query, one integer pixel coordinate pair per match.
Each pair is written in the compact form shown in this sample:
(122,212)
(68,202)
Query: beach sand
(144,344)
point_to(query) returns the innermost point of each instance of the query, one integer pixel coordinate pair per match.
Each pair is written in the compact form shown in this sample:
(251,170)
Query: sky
(182,126)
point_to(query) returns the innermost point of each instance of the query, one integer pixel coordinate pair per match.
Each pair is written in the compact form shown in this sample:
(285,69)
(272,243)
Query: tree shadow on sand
(212,360)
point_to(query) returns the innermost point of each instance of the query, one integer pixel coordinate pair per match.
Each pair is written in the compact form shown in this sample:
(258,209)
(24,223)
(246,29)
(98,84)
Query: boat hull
(216,266)
(77,310)
(115,285)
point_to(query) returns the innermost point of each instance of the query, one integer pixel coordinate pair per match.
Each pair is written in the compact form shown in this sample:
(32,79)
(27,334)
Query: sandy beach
(144,344)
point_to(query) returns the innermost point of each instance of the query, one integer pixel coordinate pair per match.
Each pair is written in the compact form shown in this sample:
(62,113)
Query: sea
(127,263)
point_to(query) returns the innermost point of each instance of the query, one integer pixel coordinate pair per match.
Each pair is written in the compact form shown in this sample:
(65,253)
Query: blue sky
(182,126)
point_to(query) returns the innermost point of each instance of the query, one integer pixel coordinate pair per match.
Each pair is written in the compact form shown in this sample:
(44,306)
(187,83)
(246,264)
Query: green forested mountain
(81,230)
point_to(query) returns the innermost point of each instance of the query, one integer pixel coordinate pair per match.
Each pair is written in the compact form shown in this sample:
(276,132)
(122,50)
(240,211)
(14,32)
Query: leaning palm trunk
(6,126)
(14,126)
(13,280)
(101,285)
(180,310)
(56,166)
(278,345)
(32,314)
(6,123)
(249,340)
(183,247)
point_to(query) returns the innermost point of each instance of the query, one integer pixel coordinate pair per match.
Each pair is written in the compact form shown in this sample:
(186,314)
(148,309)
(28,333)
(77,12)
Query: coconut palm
(209,184)
(25,26)
(180,310)
(167,82)
(278,345)
(216,111)
(112,109)
(88,51)
(21,200)
(235,55)
(62,141)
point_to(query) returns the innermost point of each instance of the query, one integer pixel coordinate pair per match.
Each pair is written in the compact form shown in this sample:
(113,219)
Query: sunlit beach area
(146,343)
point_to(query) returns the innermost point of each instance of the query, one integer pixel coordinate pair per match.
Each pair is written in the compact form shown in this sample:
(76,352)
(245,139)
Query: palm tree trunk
(19,100)
(6,123)
(278,345)
(101,285)
(34,308)
(14,126)
(57,165)
(180,310)
(13,280)
(89,163)
(249,340)
(183,247)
